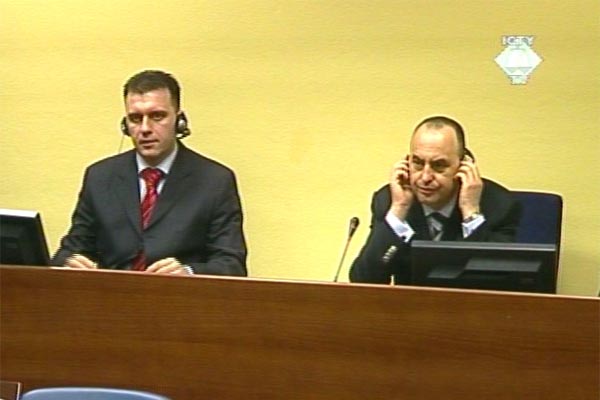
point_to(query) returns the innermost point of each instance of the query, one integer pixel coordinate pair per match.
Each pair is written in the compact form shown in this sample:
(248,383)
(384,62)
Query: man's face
(151,121)
(433,163)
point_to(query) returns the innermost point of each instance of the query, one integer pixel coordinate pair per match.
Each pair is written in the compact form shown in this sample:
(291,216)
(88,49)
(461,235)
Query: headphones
(468,153)
(181,126)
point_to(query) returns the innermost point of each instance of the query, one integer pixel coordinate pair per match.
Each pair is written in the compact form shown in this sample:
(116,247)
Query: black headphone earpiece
(468,153)
(123,126)
(182,128)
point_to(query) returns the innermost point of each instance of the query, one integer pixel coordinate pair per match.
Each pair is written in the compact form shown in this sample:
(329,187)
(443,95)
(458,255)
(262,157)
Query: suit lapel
(127,191)
(174,186)
(453,227)
(416,219)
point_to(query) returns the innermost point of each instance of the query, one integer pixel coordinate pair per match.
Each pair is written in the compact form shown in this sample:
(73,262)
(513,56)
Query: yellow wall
(310,102)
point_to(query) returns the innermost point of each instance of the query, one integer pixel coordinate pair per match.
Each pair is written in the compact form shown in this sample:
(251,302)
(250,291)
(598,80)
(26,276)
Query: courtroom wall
(310,102)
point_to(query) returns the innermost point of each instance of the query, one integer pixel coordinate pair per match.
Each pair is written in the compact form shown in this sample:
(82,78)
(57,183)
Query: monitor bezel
(36,252)
(487,258)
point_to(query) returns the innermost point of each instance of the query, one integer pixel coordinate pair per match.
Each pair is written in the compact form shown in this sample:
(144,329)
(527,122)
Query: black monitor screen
(22,239)
(518,267)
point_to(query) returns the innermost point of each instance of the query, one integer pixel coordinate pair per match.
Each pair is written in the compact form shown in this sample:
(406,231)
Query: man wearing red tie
(161,207)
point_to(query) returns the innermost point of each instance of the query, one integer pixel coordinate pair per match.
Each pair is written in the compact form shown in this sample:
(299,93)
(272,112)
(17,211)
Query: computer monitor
(22,239)
(517,267)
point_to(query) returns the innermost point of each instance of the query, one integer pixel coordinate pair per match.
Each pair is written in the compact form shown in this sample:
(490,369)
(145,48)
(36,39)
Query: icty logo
(518,60)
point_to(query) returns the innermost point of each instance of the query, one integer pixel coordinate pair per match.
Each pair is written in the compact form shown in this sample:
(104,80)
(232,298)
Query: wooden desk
(233,338)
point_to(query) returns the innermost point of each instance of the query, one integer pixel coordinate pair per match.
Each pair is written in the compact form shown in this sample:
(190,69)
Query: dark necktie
(436,225)
(151,177)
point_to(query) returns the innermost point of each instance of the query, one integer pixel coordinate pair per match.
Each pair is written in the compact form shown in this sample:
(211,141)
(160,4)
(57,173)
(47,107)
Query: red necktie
(151,177)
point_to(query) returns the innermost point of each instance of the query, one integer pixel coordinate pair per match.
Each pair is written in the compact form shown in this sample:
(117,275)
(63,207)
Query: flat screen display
(22,239)
(519,267)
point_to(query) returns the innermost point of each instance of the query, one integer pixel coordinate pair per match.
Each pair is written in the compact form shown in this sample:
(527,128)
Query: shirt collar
(165,165)
(446,211)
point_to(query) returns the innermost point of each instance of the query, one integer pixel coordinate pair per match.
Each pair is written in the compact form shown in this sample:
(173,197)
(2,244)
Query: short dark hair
(439,121)
(149,80)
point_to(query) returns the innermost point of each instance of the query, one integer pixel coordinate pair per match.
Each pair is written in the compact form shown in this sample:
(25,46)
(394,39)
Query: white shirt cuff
(469,227)
(401,228)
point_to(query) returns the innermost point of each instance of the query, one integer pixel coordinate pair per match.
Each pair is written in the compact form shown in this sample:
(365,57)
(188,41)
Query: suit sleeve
(226,247)
(502,213)
(81,237)
(384,254)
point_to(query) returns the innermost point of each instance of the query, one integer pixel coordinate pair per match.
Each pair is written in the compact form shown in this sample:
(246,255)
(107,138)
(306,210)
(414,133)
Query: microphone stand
(354,221)
(339,268)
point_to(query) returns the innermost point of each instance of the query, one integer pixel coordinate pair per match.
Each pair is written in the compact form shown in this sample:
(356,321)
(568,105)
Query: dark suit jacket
(502,213)
(197,218)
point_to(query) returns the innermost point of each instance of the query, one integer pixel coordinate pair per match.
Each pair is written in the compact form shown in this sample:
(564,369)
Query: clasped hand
(168,265)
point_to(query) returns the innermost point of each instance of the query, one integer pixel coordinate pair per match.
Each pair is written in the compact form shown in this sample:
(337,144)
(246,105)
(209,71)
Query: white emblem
(518,60)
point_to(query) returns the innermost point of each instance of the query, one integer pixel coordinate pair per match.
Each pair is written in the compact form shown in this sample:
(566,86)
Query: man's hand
(400,190)
(168,265)
(77,261)
(470,188)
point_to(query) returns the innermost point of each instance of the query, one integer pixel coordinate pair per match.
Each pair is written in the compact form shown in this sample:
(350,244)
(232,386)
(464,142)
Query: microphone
(354,221)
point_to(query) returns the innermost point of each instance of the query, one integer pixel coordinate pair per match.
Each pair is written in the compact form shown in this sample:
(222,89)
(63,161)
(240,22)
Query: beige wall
(310,102)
